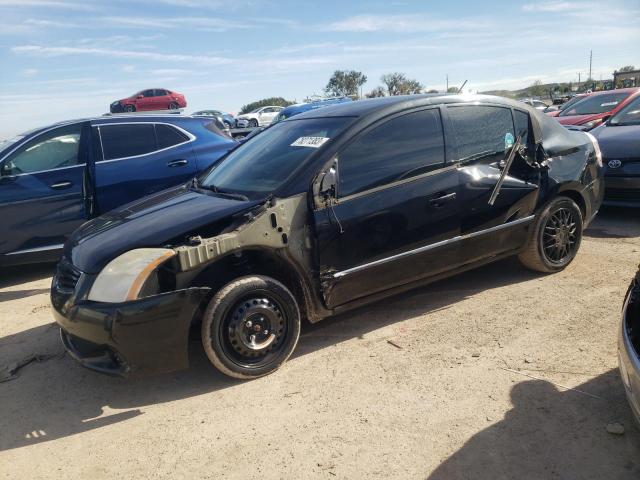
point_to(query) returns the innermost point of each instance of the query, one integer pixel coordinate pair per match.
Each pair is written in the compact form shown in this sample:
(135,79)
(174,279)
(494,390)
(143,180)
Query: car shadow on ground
(615,222)
(11,276)
(551,433)
(42,403)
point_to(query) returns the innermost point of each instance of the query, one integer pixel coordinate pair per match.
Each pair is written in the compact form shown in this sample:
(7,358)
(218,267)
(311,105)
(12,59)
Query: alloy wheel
(559,238)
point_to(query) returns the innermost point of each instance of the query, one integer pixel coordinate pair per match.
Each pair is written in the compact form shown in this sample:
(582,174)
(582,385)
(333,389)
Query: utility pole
(447,90)
(590,61)
(578,78)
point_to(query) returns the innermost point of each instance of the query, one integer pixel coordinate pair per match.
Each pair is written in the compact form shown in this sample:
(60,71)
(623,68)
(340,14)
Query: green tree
(278,101)
(376,92)
(627,68)
(433,90)
(453,90)
(345,83)
(536,89)
(398,84)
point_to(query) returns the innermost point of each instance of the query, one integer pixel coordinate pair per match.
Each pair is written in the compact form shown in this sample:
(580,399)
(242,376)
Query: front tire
(251,327)
(253,123)
(556,237)
(129,108)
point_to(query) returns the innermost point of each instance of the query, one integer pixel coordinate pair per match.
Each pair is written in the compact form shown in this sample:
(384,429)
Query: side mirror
(605,118)
(329,182)
(140,96)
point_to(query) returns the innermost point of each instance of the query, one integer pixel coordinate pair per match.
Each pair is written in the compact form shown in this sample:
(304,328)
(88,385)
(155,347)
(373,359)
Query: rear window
(169,136)
(596,104)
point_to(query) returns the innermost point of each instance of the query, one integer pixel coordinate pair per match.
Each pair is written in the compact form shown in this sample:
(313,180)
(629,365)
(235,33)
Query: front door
(147,101)
(482,137)
(395,214)
(138,159)
(41,199)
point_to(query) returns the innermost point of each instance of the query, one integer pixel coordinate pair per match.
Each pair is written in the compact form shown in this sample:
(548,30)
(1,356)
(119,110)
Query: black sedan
(321,213)
(619,140)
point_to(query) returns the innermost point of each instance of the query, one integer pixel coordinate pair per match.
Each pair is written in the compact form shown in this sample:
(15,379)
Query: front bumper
(116,107)
(629,348)
(144,336)
(622,191)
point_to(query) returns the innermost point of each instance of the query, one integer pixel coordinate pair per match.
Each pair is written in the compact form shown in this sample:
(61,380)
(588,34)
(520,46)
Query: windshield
(571,102)
(629,115)
(596,104)
(265,162)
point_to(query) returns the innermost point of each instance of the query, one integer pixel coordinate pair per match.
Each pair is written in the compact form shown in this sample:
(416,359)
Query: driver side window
(54,149)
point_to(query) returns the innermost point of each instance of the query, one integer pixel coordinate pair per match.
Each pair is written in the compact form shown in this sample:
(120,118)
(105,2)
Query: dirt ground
(499,373)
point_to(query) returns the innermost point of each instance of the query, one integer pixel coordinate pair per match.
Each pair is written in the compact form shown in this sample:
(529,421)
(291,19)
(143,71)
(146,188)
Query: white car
(259,117)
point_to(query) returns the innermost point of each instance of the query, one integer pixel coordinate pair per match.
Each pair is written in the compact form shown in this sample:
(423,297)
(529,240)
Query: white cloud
(554,7)
(30,72)
(199,23)
(39,50)
(401,24)
(60,4)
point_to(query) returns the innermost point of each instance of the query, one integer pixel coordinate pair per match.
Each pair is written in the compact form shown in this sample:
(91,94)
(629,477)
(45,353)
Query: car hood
(579,119)
(622,141)
(151,222)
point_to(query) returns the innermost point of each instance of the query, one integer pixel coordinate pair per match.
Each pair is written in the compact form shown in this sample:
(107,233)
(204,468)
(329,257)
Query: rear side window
(120,141)
(169,136)
(400,148)
(481,132)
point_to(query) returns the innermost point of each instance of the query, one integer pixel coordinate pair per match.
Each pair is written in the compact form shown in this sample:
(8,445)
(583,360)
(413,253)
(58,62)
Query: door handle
(177,163)
(441,198)
(60,185)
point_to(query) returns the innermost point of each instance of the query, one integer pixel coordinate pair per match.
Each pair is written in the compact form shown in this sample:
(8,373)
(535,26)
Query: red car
(597,107)
(151,99)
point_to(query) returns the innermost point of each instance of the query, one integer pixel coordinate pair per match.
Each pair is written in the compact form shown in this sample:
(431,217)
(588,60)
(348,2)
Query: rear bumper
(628,353)
(622,191)
(145,336)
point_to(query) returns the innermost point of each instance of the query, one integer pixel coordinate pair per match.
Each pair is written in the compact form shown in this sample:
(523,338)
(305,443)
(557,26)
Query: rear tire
(173,106)
(555,237)
(250,327)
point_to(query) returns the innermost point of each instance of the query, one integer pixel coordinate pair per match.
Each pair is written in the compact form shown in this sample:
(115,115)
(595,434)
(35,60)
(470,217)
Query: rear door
(396,214)
(137,159)
(41,200)
(483,135)
(160,99)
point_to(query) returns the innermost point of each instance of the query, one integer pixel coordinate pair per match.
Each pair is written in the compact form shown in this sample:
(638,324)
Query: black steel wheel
(251,326)
(556,236)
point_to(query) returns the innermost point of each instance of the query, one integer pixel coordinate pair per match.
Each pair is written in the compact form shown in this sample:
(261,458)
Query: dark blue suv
(53,179)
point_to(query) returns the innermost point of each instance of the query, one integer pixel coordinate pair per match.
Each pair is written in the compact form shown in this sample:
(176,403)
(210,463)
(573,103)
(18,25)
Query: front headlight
(123,277)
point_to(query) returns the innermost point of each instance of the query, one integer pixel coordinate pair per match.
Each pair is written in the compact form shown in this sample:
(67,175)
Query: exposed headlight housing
(122,279)
(596,147)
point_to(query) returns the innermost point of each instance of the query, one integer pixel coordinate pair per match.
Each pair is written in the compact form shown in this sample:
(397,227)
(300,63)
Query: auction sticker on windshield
(312,142)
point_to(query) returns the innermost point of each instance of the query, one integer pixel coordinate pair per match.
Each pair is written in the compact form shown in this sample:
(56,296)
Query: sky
(63,59)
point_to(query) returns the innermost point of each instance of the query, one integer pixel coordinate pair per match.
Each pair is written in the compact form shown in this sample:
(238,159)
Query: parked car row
(613,118)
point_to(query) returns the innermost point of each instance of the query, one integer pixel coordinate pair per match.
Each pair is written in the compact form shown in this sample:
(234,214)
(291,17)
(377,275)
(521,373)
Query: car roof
(617,90)
(388,105)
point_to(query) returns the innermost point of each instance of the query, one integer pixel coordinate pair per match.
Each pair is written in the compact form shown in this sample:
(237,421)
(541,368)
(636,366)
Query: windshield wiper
(219,191)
